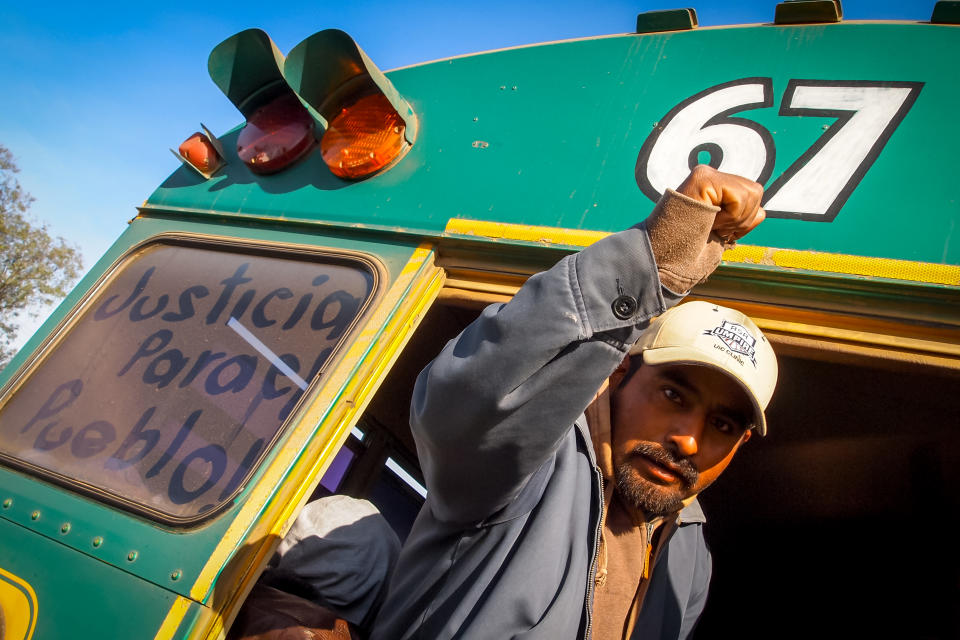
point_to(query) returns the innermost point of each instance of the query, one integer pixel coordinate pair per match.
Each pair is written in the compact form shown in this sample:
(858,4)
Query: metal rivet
(97,541)
(7,503)
(65,527)
(132,556)
(176,575)
(35,515)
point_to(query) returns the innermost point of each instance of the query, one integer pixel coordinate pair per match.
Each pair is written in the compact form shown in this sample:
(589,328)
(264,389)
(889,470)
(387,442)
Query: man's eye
(672,395)
(726,426)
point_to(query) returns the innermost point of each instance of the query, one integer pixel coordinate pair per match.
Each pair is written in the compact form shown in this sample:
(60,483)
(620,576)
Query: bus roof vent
(946,12)
(666,20)
(808,12)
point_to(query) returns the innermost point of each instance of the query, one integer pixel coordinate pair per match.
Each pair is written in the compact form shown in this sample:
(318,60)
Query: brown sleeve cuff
(683,246)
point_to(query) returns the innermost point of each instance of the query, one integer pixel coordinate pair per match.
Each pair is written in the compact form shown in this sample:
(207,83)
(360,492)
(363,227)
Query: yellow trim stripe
(174,618)
(17,600)
(523,232)
(884,341)
(266,515)
(359,388)
(834,327)
(926,272)
(319,405)
(833,351)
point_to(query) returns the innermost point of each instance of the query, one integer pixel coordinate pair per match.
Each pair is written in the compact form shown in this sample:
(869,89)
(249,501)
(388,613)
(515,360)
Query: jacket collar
(692,513)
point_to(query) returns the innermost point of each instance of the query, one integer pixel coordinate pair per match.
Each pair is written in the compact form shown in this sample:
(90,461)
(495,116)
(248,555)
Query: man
(562,470)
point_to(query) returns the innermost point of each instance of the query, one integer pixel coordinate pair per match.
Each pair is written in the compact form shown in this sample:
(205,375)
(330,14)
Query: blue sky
(96,93)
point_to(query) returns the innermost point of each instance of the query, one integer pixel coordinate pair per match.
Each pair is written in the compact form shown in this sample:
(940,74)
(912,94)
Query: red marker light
(276,135)
(363,137)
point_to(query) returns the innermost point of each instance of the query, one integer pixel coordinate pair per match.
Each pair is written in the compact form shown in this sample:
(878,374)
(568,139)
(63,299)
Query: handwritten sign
(170,387)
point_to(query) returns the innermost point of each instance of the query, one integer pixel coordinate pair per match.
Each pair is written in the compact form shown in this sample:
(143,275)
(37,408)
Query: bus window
(168,387)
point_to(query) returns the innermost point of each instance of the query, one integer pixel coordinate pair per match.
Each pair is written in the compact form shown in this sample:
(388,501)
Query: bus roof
(847,125)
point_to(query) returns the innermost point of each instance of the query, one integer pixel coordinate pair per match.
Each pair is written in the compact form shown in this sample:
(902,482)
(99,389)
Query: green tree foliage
(36,269)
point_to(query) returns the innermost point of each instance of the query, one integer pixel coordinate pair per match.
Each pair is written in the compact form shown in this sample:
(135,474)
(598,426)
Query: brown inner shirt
(618,595)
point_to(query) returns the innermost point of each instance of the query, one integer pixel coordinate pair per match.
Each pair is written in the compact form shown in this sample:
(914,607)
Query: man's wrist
(679,229)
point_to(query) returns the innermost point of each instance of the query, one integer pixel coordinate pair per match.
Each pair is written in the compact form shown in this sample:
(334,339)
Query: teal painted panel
(552,134)
(76,522)
(78,596)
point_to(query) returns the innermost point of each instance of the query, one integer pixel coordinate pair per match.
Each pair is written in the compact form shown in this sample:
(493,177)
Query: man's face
(675,429)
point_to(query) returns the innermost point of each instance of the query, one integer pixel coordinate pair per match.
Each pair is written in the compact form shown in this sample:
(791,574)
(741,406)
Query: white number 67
(818,183)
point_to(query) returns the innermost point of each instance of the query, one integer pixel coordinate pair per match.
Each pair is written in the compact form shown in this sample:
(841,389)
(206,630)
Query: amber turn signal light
(367,125)
(363,137)
(201,152)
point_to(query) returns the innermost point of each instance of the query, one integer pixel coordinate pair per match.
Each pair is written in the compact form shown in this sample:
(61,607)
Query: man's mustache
(677,464)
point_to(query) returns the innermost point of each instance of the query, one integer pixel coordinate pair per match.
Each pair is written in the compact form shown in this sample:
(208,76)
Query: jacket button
(624,307)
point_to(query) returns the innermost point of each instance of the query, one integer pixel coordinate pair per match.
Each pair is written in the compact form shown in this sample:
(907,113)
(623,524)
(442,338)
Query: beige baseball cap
(702,333)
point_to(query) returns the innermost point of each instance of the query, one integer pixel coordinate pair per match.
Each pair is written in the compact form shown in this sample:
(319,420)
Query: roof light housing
(279,130)
(369,125)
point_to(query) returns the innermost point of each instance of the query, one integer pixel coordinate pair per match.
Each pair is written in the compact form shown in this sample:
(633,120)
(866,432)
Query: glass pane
(338,469)
(179,374)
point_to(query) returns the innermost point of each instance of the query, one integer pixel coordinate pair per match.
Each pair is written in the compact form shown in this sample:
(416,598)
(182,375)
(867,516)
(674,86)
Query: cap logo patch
(737,338)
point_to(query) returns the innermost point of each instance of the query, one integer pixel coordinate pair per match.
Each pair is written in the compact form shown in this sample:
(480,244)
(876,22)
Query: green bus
(250,341)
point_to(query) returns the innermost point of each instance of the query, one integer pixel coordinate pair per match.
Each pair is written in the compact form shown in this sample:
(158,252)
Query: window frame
(208,242)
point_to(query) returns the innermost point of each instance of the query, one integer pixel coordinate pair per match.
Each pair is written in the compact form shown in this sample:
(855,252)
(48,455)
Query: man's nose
(685,443)
(685,435)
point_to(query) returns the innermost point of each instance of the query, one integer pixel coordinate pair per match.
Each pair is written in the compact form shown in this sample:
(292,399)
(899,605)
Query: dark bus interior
(838,524)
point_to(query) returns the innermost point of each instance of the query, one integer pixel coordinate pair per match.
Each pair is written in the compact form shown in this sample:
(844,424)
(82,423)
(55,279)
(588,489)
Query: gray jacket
(505,544)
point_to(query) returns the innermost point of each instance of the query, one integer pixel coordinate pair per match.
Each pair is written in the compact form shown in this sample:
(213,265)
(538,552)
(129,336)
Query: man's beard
(655,499)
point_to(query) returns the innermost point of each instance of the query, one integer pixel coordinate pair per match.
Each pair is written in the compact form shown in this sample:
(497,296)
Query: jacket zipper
(648,552)
(591,575)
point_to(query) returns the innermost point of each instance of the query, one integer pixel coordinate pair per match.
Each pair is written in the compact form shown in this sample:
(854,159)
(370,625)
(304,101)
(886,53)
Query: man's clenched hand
(738,199)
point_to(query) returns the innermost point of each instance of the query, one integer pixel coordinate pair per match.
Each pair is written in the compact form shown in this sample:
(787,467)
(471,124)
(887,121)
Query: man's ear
(619,374)
(746,436)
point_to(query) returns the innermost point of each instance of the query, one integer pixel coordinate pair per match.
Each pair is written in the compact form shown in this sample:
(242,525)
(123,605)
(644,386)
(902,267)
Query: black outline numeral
(843,116)
(716,153)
